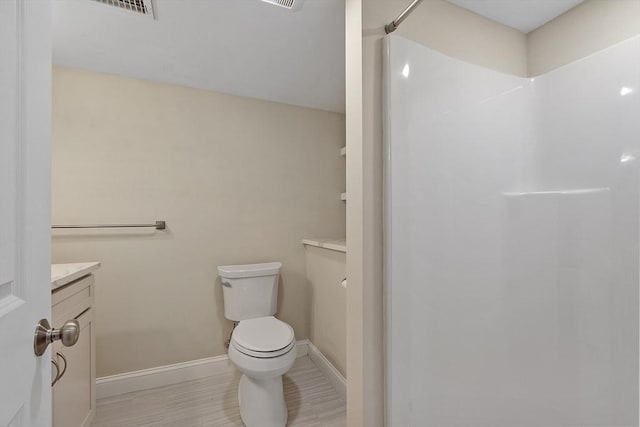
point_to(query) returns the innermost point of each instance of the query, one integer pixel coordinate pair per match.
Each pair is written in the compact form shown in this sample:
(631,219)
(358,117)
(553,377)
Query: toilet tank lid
(249,270)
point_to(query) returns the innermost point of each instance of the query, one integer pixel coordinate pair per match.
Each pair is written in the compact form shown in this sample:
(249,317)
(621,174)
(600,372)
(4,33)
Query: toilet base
(262,402)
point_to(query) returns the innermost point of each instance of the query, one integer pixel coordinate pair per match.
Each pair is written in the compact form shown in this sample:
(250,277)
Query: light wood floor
(212,401)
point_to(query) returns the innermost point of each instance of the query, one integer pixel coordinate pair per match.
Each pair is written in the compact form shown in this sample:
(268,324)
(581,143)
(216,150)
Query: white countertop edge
(61,274)
(331,244)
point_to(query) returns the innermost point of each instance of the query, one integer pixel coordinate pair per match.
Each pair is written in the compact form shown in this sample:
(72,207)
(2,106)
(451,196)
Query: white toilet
(261,346)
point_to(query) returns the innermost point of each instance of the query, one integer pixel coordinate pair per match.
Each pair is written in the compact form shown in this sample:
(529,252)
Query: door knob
(45,335)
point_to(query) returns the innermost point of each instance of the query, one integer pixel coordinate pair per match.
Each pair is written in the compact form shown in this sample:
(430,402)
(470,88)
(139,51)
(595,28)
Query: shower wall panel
(511,239)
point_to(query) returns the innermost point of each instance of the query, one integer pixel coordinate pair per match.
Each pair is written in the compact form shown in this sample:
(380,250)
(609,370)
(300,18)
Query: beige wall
(325,270)
(237,180)
(585,29)
(455,32)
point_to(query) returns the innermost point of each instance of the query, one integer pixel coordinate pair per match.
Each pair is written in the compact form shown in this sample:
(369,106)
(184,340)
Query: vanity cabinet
(74,398)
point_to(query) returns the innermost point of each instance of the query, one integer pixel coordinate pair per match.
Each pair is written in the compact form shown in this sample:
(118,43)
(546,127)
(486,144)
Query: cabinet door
(74,393)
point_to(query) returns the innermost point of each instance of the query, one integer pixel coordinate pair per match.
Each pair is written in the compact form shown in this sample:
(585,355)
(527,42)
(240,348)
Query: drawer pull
(59,374)
(55,380)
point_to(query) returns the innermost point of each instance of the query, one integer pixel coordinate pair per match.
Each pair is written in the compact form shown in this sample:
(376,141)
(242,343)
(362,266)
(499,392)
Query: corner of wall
(587,28)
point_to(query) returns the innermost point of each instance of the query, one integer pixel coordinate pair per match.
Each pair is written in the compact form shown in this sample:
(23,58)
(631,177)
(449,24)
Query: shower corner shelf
(343,197)
(569,192)
(343,151)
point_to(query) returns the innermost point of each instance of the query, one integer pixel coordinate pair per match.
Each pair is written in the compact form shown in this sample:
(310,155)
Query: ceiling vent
(287,4)
(144,7)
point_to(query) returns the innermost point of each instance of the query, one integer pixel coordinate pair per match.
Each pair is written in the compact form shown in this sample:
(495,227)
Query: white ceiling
(242,47)
(523,15)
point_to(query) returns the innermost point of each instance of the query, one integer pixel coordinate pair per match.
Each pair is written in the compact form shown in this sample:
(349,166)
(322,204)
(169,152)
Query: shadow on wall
(287,295)
(118,234)
(227,324)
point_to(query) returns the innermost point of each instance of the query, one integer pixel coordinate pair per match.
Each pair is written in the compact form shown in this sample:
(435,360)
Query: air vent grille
(140,6)
(287,4)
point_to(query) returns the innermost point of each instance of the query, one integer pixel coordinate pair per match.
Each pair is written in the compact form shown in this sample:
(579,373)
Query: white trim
(302,347)
(330,372)
(160,376)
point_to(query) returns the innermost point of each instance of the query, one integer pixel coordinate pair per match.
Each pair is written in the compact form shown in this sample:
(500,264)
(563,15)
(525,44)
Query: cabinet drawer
(71,300)
(74,394)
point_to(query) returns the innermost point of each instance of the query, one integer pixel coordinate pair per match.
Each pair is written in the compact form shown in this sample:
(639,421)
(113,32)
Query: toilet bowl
(263,349)
(261,346)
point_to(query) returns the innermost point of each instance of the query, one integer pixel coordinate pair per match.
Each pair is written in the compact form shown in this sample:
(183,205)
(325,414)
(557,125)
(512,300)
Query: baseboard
(171,374)
(333,375)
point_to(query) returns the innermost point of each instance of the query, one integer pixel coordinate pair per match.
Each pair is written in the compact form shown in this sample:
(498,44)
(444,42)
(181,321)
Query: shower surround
(511,241)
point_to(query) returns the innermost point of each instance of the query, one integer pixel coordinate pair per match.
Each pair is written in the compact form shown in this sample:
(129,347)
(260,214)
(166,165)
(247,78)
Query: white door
(25,288)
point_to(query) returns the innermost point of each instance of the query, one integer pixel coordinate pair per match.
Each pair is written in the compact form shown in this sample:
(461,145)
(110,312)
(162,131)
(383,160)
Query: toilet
(261,346)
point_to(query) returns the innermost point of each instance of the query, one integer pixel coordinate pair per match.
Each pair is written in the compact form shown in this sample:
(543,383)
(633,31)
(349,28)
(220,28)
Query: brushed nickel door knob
(68,334)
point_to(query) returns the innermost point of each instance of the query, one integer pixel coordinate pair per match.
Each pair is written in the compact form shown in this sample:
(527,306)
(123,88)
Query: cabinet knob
(68,334)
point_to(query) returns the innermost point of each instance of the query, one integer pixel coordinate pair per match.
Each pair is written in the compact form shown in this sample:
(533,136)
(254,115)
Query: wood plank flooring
(212,401)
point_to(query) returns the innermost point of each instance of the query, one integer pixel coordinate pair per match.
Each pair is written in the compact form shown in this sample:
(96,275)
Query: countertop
(332,244)
(61,274)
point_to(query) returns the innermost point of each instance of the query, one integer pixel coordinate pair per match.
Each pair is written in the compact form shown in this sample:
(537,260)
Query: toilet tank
(249,290)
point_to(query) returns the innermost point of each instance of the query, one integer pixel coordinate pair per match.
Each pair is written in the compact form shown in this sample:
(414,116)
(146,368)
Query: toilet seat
(263,337)
(263,354)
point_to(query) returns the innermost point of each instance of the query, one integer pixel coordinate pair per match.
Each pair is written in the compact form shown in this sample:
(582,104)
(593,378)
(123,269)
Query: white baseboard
(333,375)
(171,374)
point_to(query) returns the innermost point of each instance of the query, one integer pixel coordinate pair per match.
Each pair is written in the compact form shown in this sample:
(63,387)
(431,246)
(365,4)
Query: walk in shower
(511,241)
